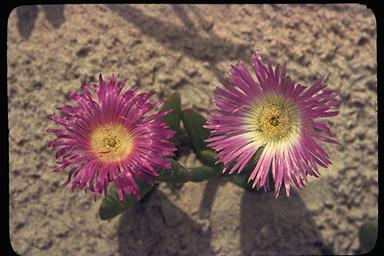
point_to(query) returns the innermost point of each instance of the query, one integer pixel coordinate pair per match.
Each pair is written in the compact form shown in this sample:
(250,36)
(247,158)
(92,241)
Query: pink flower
(108,136)
(277,115)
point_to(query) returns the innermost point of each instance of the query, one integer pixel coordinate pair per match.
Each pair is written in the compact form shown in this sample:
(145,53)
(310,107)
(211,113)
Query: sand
(186,49)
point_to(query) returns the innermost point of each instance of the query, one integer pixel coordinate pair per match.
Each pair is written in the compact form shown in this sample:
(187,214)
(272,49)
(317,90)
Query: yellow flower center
(275,118)
(111,142)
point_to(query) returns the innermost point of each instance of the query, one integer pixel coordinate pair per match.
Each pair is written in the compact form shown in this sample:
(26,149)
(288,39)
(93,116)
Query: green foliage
(201,173)
(197,134)
(368,236)
(208,157)
(173,119)
(241,179)
(178,173)
(193,124)
(111,205)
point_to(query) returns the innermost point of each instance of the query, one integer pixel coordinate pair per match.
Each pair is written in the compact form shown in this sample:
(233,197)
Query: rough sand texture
(52,49)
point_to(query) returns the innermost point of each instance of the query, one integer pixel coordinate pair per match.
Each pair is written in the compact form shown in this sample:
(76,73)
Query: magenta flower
(275,114)
(109,136)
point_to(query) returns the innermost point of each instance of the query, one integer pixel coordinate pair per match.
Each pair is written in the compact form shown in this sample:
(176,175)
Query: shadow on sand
(27,15)
(268,226)
(157,227)
(282,226)
(185,39)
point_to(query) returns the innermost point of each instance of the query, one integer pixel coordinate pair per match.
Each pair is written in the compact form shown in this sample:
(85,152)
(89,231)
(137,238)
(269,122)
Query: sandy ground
(52,49)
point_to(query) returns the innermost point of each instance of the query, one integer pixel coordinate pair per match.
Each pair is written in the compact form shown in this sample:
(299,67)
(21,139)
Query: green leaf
(193,123)
(177,173)
(111,205)
(248,168)
(368,236)
(201,173)
(242,181)
(173,119)
(252,164)
(208,157)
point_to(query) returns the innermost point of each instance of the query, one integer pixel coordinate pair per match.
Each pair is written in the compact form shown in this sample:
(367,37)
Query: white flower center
(275,119)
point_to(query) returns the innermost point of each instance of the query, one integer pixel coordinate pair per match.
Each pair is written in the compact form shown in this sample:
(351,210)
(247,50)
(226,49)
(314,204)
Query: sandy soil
(52,49)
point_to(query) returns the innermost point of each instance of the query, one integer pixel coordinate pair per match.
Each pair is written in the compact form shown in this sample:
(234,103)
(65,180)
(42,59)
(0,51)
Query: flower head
(109,136)
(276,115)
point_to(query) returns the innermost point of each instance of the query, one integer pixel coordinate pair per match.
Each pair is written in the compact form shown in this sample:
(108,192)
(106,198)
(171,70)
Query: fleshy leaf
(173,119)
(201,173)
(241,179)
(248,168)
(368,236)
(177,173)
(193,124)
(252,164)
(111,206)
(208,157)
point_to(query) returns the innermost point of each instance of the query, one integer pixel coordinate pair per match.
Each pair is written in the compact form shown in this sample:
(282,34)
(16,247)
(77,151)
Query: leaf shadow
(209,197)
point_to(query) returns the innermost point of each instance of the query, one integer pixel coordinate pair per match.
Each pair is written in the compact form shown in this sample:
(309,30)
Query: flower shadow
(27,15)
(282,226)
(157,227)
(26,18)
(54,14)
